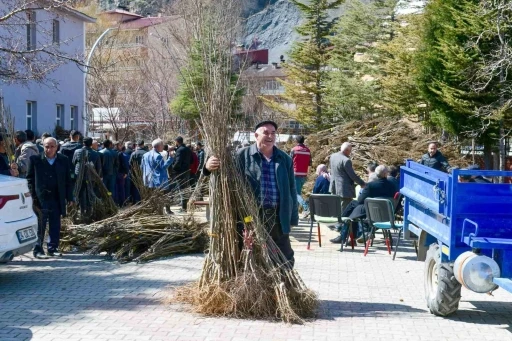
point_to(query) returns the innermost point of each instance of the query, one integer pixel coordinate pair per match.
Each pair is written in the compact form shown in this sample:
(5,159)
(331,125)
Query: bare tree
(133,78)
(28,50)
(161,71)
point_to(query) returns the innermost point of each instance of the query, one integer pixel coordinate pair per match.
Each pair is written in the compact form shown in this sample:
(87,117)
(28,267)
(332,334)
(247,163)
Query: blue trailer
(463,232)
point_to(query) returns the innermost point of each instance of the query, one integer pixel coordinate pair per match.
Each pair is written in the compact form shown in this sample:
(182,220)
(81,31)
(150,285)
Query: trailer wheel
(442,290)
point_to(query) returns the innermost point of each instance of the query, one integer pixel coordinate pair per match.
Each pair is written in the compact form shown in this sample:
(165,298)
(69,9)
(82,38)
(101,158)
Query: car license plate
(26,234)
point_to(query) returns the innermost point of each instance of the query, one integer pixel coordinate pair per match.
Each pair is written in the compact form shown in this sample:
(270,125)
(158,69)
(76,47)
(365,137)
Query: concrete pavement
(82,297)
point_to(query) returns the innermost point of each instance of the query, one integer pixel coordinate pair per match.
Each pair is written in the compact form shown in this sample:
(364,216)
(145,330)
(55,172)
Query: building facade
(262,81)
(139,55)
(41,106)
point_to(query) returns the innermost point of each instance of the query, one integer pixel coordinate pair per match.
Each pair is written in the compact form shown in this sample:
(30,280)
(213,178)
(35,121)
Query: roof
(123,12)
(264,70)
(142,23)
(74,13)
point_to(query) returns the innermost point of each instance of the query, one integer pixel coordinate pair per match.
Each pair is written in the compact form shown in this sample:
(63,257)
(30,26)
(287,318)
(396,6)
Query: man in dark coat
(82,156)
(68,149)
(434,159)
(200,156)
(135,162)
(181,170)
(380,188)
(110,164)
(394,172)
(125,158)
(49,182)
(136,156)
(5,167)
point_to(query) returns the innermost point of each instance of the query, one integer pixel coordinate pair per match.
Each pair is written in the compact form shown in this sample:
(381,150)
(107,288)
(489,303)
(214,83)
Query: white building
(37,105)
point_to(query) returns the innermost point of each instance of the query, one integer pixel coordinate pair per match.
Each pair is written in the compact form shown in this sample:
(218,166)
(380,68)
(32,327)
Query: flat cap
(262,123)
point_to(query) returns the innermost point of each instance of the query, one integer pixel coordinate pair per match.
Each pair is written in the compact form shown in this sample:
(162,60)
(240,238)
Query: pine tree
(460,39)
(187,104)
(445,64)
(354,84)
(400,93)
(305,85)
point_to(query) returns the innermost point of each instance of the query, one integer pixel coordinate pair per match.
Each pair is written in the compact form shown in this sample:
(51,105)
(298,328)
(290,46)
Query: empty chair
(380,214)
(324,208)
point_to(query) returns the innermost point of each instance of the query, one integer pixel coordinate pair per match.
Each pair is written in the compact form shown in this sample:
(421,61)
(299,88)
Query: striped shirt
(269,191)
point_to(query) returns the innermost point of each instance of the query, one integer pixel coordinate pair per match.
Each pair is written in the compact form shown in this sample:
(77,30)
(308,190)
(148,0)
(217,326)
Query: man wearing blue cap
(269,174)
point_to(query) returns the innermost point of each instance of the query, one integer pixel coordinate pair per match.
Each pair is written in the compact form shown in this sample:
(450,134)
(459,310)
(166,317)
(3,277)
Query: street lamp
(87,65)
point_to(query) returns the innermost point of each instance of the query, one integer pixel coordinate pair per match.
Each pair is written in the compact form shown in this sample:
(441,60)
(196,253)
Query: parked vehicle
(18,222)
(463,231)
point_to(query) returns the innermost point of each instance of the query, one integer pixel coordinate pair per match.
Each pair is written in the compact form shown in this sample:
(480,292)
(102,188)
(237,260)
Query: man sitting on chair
(380,188)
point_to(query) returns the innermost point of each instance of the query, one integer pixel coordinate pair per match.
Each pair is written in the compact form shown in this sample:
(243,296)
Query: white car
(18,222)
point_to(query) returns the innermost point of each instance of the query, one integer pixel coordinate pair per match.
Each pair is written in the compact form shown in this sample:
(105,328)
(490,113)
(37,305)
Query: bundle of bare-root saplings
(244,274)
(140,232)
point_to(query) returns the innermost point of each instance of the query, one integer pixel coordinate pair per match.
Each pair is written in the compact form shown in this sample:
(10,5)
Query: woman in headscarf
(322,181)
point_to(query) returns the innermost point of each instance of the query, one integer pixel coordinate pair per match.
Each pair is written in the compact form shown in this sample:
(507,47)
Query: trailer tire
(442,290)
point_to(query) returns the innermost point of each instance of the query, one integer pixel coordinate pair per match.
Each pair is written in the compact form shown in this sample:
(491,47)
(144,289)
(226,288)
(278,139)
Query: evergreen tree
(187,104)
(400,93)
(446,62)
(306,71)
(354,84)
(191,78)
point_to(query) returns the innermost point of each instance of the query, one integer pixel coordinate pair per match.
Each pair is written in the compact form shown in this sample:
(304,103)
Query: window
(59,120)
(73,120)
(31,115)
(56,32)
(31,30)
(272,85)
(139,40)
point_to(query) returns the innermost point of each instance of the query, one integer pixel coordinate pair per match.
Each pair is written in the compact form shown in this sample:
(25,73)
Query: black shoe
(40,255)
(54,254)
(336,240)
(182,210)
(336,227)
(168,211)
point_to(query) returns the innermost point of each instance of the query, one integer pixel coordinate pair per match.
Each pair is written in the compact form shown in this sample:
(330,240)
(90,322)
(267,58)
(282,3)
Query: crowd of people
(53,170)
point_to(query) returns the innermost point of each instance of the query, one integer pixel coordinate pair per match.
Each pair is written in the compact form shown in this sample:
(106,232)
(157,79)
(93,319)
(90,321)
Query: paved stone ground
(373,298)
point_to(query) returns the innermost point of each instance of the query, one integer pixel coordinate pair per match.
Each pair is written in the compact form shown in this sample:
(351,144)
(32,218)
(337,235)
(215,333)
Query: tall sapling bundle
(244,273)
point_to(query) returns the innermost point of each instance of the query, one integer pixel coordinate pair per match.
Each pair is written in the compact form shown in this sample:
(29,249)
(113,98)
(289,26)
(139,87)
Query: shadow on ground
(38,292)
(486,313)
(15,333)
(330,310)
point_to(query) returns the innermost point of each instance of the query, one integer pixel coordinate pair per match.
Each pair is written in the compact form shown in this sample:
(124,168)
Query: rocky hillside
(274,27)
(271,22)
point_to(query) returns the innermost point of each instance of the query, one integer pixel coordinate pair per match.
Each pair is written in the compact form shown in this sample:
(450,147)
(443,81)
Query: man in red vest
(301,156)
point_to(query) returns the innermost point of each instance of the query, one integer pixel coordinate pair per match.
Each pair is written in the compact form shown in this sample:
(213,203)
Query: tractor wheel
(442,290)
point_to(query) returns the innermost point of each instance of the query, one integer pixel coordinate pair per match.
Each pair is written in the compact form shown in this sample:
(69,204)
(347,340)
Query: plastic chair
(324,208)
(380,214)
